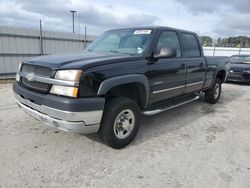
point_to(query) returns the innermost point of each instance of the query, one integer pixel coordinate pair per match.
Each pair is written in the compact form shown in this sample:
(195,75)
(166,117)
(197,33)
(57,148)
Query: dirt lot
(196,145)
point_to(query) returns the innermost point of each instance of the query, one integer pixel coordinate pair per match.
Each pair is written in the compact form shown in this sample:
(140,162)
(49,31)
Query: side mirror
(166,53)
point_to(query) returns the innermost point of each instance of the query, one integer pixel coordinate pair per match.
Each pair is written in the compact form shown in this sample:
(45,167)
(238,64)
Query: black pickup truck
(124,73)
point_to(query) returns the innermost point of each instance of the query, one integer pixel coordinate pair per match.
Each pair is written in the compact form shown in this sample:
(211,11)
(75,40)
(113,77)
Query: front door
(167,76)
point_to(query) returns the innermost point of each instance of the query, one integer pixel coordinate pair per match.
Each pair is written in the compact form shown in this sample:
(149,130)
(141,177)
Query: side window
(169,39)
(190,45)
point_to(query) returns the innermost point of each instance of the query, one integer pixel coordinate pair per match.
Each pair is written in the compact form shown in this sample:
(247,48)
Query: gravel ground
(196,145)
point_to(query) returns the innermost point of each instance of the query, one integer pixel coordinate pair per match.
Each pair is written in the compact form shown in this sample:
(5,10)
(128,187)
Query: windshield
(240,59)
(129,41)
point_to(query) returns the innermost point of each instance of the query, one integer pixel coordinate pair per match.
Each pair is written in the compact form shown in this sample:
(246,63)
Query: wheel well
(134,91)
(221,75)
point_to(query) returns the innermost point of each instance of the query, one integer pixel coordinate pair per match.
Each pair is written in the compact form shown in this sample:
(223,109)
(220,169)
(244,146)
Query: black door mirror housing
(166,53)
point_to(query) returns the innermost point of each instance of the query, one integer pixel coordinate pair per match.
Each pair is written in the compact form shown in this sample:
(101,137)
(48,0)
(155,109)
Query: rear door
(167,76)
(195,62)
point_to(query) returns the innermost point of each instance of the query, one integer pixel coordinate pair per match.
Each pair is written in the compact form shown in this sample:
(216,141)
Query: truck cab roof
(154,28)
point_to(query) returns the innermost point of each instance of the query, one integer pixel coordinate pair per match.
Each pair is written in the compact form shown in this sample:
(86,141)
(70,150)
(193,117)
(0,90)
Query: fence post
(214,51)
(85,37)
(41,38)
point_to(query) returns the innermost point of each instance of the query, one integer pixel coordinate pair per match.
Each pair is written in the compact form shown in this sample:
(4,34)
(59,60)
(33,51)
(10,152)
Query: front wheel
(212,95)
(120,123)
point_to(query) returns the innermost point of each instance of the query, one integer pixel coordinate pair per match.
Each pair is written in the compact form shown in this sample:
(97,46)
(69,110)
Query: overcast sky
(215,18)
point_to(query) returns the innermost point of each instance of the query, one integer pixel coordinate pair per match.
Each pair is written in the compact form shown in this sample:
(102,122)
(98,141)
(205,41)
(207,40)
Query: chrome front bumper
(77,122)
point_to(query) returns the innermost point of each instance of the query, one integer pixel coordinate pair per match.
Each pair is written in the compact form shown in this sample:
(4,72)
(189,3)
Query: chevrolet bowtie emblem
(30,77)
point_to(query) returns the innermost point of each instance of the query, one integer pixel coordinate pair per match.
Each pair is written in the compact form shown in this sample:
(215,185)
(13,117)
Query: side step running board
(157,111)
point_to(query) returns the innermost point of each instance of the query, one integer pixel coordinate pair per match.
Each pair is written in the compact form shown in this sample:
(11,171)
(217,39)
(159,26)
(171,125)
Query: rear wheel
(120,122)
(212,95)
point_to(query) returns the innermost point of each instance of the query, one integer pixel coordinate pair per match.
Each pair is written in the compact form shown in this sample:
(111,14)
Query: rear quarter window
(190,45)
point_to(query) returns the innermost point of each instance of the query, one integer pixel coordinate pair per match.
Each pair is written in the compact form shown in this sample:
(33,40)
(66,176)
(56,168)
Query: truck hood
(80,60)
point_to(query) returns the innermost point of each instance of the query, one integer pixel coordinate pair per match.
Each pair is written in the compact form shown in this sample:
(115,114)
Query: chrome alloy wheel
(124,124)
(216,90)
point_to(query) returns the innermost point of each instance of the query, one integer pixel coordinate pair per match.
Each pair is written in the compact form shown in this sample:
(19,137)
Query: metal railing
(222,51)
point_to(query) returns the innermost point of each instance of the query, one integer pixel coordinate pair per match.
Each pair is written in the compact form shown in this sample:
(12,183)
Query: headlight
(18,70)
(64,90)
(69,75)
(17,77)
(247,71)
(66,75)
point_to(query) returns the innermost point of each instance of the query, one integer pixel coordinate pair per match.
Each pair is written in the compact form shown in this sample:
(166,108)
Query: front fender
(108,84)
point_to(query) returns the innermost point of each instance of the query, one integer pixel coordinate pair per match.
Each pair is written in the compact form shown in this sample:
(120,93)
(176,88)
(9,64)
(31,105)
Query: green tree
(240,41)
(206,41)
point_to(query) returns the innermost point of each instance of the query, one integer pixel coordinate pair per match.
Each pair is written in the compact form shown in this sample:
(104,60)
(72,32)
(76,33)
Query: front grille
(39,71)
(237,70)
(236,78)
(42,87)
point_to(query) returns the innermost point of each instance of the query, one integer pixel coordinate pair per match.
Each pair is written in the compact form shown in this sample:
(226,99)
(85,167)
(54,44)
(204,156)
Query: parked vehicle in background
(240,68)
(122,74)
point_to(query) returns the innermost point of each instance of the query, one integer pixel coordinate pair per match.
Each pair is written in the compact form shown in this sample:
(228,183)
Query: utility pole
(73,20)
(41,38)
(214,45)
(240,46)
(85,37)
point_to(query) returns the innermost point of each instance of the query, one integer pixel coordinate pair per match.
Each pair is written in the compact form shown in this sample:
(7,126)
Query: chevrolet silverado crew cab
(124,73)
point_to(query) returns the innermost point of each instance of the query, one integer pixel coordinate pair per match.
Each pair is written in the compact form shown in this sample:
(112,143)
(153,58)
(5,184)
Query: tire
(212,95)
(120,122)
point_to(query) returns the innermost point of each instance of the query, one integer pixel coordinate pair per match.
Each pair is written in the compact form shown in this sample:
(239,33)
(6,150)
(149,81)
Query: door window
(169,39)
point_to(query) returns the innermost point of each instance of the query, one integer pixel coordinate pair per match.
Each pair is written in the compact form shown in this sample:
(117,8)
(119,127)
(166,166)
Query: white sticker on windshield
(142,32)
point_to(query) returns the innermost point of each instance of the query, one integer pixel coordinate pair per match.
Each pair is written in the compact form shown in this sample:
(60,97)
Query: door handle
(183,65)
(201,64)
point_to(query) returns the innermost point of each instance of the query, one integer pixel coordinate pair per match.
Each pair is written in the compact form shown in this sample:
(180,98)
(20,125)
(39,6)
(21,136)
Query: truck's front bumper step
(80,115)
(76,127)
